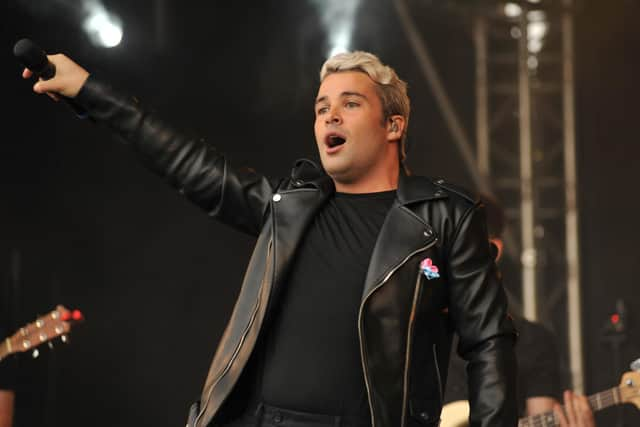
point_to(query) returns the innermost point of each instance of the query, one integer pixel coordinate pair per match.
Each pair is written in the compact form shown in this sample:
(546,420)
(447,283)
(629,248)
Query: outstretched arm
(238,198)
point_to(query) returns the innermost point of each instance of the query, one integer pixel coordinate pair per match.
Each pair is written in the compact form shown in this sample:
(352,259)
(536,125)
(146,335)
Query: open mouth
(334,140)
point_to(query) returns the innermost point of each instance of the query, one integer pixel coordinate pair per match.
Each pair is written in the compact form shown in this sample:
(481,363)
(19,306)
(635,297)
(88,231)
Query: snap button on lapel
(277,197)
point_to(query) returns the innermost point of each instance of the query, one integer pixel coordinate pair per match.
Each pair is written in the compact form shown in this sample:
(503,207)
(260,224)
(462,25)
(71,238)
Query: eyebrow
(342,95)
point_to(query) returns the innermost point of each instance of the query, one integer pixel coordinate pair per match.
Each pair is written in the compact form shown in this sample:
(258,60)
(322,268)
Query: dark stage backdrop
(88,227)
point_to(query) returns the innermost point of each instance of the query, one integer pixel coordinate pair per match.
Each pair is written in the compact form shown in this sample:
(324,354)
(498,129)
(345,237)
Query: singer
(360,274)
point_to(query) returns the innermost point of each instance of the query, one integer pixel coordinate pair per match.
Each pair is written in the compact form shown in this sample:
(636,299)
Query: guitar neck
(605,399)
(597,401)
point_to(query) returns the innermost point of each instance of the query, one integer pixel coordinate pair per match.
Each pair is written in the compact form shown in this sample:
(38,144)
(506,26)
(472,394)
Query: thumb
(43,86)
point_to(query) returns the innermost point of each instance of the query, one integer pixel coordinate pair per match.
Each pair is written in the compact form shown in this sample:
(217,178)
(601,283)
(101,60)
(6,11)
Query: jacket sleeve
(478,307)
(236,197)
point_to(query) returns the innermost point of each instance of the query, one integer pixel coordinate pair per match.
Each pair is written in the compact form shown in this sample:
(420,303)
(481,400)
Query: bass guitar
(456,414)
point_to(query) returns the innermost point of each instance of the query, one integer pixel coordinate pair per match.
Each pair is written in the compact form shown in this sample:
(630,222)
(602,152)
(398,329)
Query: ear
(395,128)
(498,246)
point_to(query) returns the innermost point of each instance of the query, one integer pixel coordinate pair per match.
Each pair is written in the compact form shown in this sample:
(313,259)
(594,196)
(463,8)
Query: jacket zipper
(378,286)
(407,362)
(242,338)
(440,388)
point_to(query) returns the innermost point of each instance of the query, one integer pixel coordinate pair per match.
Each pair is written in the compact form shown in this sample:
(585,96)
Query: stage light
(103,28)
(537,28)
(338,20)
(340,43)
(512,10)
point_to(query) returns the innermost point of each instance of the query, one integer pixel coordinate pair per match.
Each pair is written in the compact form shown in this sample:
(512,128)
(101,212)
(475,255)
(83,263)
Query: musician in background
(539,387)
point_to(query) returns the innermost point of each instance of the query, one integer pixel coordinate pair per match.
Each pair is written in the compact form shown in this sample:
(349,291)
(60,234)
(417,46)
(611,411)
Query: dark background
(82,224)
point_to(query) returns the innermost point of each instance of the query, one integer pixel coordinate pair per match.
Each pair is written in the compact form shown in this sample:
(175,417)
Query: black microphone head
(33,58)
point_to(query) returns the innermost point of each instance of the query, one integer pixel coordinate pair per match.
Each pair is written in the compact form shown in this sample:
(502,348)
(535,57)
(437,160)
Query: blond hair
(390,88)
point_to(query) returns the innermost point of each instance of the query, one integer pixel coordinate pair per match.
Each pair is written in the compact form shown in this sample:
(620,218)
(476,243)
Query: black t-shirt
(538,367)
(311,350)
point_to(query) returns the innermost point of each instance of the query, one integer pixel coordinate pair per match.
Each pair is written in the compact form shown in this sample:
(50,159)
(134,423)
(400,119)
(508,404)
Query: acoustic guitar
(56,323)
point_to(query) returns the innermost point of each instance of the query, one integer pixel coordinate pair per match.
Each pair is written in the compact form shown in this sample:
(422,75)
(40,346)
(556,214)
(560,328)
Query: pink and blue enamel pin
(429,269)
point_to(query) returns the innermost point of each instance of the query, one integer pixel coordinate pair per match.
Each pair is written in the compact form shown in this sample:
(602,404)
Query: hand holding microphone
(59,76)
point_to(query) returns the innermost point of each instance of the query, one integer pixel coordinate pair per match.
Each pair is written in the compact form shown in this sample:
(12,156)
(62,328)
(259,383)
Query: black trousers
(270,416)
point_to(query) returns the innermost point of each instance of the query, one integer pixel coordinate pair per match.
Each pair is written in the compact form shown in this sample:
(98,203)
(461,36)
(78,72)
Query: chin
(334,168)
(342,176)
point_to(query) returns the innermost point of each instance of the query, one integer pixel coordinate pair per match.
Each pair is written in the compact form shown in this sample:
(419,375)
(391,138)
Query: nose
(333,118)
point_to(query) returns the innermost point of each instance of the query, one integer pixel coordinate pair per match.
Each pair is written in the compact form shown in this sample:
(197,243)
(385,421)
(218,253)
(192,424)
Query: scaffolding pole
(571,211)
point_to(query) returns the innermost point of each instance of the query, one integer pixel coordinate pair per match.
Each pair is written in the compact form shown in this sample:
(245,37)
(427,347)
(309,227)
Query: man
(359,275)
(539,388)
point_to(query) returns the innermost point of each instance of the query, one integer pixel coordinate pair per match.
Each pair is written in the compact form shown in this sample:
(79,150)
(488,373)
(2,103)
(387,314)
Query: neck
(383,178)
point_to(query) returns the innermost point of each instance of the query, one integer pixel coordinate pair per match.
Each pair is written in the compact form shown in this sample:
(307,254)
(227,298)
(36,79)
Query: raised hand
(67,81)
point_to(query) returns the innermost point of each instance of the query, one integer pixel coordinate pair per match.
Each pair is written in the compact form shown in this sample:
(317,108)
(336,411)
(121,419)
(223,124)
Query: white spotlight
(512,10)
(337,49)
(340,41)
(104,28)
(338,19)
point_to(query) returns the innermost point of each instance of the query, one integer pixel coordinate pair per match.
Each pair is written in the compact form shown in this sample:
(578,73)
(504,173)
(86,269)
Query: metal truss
(525,131)
(525,148)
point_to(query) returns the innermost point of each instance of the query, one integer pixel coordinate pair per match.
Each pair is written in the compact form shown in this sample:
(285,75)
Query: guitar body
(455,414)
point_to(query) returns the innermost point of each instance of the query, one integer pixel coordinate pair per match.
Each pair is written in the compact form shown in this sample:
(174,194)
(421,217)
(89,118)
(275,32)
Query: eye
(351,104)
(322,110)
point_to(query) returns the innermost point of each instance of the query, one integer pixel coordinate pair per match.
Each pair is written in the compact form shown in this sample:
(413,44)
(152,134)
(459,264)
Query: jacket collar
(412,189)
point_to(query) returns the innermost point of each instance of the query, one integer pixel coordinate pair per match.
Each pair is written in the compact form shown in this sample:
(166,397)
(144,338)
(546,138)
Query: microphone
(35,59)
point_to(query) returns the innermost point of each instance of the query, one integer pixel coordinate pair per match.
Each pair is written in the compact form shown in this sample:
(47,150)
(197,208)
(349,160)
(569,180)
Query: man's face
(352,139)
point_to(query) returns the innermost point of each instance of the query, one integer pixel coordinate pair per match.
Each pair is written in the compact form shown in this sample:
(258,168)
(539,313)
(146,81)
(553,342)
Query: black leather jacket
(405,320)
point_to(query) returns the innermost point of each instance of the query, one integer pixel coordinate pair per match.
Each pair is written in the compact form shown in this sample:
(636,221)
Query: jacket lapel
(293,209)
(403,232)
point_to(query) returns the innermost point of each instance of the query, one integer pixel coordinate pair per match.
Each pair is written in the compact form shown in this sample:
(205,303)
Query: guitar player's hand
(576,413)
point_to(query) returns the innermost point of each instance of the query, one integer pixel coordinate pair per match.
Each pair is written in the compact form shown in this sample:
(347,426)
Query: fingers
(584,412)
(577,410)
(559,414)
(570,409)
(68,79)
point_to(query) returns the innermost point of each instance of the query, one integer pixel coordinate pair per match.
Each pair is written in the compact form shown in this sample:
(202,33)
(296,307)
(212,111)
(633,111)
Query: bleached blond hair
(390,88)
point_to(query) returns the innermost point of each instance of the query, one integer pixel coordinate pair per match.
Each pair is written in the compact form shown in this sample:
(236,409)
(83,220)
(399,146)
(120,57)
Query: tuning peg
(35,353)
(50,344)
(64,338)
(77,315)
(635,365)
